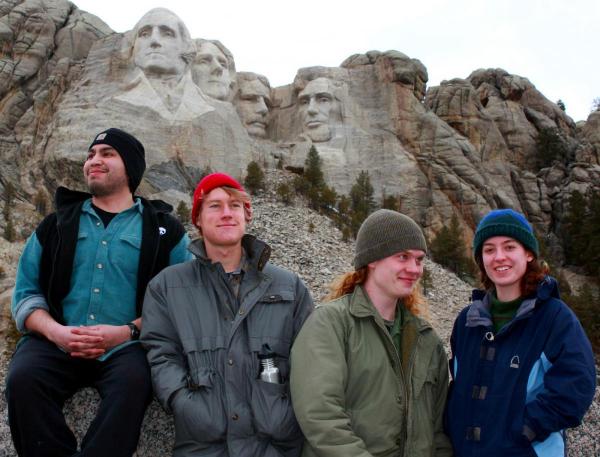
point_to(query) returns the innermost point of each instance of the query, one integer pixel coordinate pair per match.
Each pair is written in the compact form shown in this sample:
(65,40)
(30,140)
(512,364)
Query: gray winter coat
(204,359)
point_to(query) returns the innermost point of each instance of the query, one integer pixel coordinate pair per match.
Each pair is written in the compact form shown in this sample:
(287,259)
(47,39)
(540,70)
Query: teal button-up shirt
(104,279)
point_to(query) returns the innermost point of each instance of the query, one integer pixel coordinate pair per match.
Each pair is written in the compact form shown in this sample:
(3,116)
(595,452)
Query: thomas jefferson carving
(214,69)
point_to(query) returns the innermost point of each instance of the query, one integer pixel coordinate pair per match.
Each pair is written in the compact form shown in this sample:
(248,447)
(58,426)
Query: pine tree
(449,250)
(9,230)
(561,104)
(255,178)
(426,280)
(590,256)
(285,194)
(9,196)
(550,147)
(572,230)
(362,202)
(585,305)
(328,198)
(183,212)
(313,172)
(40,200)
(391,202)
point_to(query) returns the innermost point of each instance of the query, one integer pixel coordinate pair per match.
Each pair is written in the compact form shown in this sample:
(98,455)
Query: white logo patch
(162,231)
(101,136)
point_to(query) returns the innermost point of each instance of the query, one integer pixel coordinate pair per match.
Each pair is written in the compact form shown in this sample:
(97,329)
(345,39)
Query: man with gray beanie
(369,374)
(78,300)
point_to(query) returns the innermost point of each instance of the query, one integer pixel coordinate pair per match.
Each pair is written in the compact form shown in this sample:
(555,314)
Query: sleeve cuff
(27,306)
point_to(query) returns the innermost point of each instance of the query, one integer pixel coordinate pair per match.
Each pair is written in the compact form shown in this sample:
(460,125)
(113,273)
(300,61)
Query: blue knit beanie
(505,222)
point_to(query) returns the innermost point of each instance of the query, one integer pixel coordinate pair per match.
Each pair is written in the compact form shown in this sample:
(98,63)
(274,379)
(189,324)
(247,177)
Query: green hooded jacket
(354,394)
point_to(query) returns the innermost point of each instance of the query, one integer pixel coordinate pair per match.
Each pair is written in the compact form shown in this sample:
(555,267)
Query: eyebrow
(167,28)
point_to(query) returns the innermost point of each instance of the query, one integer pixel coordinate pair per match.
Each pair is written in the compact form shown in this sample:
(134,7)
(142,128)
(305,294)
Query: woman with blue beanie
(522,367)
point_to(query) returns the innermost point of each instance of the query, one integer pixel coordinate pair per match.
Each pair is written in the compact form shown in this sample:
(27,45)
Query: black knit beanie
(130,150)
(385,233)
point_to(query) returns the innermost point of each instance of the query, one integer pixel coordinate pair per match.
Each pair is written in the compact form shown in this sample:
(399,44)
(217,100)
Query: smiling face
(104,171)
(211,69)
(396,276)
(222,219)
(505,262)
(252,105)
(317,107)
(159,45)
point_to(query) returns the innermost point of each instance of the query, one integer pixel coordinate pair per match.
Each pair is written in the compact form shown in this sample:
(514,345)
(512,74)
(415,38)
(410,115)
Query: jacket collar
(65,198)
(362,306)
(257,252)
(479,311)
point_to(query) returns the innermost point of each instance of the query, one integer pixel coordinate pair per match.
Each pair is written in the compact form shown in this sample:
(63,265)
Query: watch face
(135,332)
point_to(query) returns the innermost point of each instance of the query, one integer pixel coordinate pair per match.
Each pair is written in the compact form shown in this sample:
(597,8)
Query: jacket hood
(66,197)
(257,252)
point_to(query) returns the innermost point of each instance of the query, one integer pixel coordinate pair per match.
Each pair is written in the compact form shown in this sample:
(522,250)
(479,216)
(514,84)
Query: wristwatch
(135,331)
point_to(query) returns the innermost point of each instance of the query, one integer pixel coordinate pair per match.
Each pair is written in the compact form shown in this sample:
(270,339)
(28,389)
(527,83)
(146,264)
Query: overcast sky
(554,43)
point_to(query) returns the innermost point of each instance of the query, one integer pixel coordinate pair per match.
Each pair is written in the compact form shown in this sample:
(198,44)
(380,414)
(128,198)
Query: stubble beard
(104,189)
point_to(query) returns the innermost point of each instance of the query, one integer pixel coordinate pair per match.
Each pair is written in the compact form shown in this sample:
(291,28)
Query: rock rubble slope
(307,243)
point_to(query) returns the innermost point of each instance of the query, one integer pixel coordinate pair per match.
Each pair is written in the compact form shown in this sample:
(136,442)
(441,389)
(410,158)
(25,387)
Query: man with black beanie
(78,300)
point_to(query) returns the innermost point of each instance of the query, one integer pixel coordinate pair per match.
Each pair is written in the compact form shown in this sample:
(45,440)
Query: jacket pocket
(272,410)
(198,409)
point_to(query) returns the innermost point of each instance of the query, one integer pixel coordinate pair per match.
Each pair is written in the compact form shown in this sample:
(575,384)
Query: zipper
(401,378)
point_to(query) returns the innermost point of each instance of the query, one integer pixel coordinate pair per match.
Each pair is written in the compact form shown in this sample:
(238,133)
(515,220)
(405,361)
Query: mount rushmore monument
(461,148)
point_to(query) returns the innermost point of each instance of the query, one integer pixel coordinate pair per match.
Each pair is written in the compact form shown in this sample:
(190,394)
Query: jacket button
(399,398)
(230,362)
(235,417)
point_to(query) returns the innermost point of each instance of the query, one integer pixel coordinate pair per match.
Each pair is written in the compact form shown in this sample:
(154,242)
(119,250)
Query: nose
(414,267)
(216,68)
(94,160)
(261,106)
(155,38)
(312,106)
(499,254)
(226,211)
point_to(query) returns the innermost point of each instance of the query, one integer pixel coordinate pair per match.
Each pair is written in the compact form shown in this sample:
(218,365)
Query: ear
(529,257)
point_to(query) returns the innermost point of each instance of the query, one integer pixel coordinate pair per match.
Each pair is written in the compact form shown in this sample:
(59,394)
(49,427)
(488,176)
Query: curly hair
(416,303)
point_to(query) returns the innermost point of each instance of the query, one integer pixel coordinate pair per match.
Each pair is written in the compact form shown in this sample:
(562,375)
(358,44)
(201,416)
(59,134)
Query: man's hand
(85,342)
(105,336)
(88,346)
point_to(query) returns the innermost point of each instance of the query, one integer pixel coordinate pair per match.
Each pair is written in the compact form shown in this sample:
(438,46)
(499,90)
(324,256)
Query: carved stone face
(158,44)
(318,109)
(252,105)
(212,71)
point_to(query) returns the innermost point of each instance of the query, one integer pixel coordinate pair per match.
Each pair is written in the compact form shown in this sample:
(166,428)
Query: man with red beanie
(218,332)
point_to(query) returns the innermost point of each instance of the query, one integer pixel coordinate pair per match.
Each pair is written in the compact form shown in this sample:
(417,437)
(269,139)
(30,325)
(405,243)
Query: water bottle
(270,372)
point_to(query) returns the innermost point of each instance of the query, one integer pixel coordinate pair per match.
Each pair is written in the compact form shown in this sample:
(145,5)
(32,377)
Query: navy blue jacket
(513,393)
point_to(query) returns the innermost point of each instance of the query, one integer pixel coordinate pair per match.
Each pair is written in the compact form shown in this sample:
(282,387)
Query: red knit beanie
(207,184)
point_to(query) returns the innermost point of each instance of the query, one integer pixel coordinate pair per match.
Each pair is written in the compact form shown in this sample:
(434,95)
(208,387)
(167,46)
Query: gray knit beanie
(385,233)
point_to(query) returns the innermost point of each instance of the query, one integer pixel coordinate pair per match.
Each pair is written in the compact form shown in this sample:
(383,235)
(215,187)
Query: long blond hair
(345,284)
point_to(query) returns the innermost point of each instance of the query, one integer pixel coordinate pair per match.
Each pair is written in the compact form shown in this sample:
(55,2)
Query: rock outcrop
(461,148)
